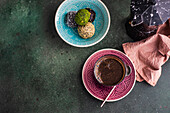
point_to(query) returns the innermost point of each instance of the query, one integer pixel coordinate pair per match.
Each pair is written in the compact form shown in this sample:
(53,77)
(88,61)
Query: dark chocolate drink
(111,70)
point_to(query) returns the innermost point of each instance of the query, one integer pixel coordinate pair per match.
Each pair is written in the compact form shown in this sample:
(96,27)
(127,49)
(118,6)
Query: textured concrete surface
(40,73)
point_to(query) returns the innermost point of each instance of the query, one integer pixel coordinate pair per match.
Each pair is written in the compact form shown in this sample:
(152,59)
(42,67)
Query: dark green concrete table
(40,73)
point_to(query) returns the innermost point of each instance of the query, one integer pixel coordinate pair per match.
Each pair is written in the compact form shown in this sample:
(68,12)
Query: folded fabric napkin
(150,54)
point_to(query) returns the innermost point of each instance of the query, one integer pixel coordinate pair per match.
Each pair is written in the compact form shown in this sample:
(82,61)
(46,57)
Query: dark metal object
(149,12)
(145,17)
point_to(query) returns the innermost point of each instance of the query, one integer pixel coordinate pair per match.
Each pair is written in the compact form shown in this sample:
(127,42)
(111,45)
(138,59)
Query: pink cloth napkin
(150,54)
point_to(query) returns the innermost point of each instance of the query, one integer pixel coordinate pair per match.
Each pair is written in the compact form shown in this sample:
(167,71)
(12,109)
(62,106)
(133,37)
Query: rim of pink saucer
(91,92)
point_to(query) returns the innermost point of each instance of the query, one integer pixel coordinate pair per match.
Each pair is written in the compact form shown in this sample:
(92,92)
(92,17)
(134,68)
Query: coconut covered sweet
(82,17)
(86,31)
(70,19)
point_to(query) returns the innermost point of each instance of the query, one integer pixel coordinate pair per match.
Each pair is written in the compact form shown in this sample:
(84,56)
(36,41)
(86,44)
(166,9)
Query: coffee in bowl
(110,70)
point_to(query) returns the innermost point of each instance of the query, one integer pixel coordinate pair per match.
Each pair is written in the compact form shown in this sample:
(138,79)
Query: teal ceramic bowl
(70,35)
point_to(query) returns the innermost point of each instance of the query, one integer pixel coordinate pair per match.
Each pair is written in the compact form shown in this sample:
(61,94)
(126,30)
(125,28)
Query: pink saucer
(100,91)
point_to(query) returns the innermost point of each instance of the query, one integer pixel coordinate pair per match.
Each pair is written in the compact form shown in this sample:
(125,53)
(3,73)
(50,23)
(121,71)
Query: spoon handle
(107,96)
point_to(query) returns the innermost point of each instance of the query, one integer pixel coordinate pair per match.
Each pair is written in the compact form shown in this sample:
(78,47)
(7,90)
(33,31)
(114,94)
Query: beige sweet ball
(86,31)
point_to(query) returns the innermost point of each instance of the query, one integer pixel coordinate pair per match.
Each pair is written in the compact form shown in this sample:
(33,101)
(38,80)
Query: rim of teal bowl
(76,45)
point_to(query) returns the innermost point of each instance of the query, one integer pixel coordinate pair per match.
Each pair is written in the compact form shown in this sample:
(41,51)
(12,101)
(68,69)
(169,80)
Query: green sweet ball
(82,17)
